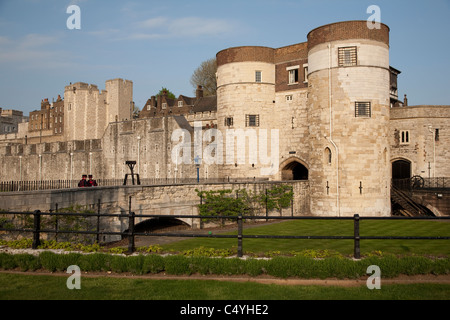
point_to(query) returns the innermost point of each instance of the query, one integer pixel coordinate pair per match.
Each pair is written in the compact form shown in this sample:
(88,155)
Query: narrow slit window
(404,137)
(229,122)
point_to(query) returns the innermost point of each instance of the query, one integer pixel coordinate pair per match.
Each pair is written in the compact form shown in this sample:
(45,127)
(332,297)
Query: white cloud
(153,22)
(191,27)
(33,51)
(195,26)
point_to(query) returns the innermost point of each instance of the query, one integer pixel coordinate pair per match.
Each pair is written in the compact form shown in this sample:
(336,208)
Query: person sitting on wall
(91,182)
(83,183)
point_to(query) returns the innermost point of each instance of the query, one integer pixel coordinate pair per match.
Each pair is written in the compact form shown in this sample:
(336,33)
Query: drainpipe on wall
(331,131)
(430,128)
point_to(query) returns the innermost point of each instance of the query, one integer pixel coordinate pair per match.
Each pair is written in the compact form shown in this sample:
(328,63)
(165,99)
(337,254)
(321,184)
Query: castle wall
(149,142)
(428,150)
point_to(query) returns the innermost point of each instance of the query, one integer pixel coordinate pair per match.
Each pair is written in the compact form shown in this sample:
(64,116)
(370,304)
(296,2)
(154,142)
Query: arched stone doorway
(401,169)
(294,170)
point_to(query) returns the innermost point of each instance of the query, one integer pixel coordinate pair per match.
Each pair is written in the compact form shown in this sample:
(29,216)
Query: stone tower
(245,102)
(348,115)
(120,99)
(84,112)
(88,111)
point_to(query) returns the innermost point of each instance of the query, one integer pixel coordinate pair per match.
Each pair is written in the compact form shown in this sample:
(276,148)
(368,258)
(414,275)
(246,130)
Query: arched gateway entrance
(294,170)
(401,169)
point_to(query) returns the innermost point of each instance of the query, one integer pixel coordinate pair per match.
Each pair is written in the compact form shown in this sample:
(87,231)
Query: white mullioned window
(258,76)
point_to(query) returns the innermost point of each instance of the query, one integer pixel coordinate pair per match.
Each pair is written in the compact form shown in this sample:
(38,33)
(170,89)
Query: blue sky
(160,43)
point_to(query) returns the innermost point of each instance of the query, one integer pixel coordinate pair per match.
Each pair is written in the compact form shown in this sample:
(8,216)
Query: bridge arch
(161,224)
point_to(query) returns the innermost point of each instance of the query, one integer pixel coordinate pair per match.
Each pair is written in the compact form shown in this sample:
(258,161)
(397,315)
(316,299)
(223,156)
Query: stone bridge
(175,199)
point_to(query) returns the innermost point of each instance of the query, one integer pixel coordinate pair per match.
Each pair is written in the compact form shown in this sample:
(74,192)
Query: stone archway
(401,169)
(294,170)
(161,224)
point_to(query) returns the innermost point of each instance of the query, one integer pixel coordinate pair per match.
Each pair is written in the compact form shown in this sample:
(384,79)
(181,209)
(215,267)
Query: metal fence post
(357,250)
(131,233)
(239,221)
(98,221)
(36,229)
(56,222)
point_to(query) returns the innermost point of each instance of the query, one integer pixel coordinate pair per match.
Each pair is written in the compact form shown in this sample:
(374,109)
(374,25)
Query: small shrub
(27,262)
(118,264)
(135,264)
(150,249)
(208,252)
(254,267)
(7,261)
(177,264)
(153,264)
(94,262)
(58,262)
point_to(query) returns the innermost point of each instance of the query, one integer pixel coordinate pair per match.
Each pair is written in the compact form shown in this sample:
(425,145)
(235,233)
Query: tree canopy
(205,76)
(170,95)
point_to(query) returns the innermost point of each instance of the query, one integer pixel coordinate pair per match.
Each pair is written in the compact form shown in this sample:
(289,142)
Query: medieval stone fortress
(325,112)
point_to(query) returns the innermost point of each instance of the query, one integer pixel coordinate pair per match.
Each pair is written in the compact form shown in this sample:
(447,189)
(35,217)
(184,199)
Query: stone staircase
(409,207)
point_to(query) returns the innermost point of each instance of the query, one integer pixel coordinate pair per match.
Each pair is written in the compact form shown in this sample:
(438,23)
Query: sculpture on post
(131,165)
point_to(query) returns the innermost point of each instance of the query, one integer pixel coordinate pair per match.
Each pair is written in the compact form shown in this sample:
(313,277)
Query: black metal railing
(420,183)
(130,233)
(11,186)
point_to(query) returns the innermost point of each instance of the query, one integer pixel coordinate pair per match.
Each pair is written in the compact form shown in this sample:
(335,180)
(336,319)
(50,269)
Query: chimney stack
(199,92)
(405,101)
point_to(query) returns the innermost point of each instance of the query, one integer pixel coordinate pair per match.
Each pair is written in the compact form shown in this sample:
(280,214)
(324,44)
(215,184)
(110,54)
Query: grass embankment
(334,228)
(33,287)
(289,258)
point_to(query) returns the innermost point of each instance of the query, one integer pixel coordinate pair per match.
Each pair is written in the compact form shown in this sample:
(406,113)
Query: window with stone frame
(347,56)
(252,120)
(293,76)
(363,109)
(229,121)
(404,137)
(258,76)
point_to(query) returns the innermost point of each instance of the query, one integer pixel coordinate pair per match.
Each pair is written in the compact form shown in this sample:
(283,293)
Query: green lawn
(40,287)
(335,228)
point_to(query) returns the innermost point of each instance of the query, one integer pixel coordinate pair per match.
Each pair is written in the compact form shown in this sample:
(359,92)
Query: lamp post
(40,171)
(20,171)
(71,169)
(90,162)
(138,154)
(197,165)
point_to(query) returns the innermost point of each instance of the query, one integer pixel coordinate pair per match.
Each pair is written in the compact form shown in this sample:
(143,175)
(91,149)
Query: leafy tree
(170,95)
(205,76)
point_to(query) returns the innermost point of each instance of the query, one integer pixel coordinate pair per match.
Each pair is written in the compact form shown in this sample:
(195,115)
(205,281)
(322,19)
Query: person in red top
(83,183)
(91,182)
